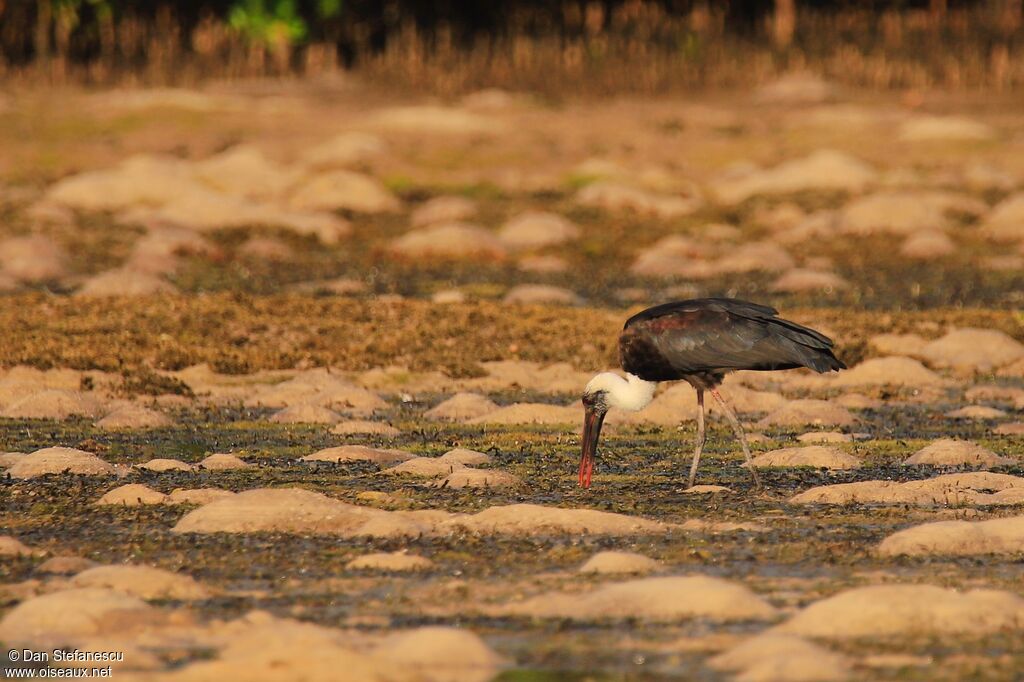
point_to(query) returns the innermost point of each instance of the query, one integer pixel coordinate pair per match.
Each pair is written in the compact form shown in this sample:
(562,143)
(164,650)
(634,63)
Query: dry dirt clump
(534,294)
(616,563)
(132,495)
(55,403)
(809,412)
(63,616)
(957,538)
(197,496)
(59,460)
(305,414)
(823,170)
(907,611)
(358,453)
(773,657)
(293,510)
(221,461)
(160,464)
(650,599)
(817,456)
(319,388)
(953,452)
(468,477)
(889,371)
(424,466)
(134,417)
(950,490)
(450,241)
(362,427)
(390,562)
(973,350)
(10,546)
(443,209)
(462,407)
(976,412)
(537,230)
(143,582)
(532,413)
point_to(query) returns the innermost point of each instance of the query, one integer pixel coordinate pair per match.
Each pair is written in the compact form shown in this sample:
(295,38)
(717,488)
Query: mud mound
(160,464)
(534,519)
(318,387)
(143,582)
(343,190)
(614,197)
(817,456)
(125,282)
(799,280)
(898,344)
(344,150)
(824,170)
(9,459)
(952,452)
(467,477)
(824,437)
(809,412)
(976,412)
(65,565)
(198,496)
(390,562)
(424,466)
(611,562)
(890,371)
(55,404)
(220,461)
(305,414)
(132,495)
(33,258)
(361,427)
(450,241)
(288,510)
(134,417)
(944,129)
(949,490)
(651,599)
(13,547)
(62,616)
(973,350)
(532,413)
(466,457)
(928,245)
(1005,222)
(782,658)
(907,611)
(260,648)
(428,119)
(462,407)
(957,538)
(443,654)
(536,230)
(358,453)
(293,510)
(58,461)
(443,209)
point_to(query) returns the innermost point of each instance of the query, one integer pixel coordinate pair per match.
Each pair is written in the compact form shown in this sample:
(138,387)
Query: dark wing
(732,305)
(719,335)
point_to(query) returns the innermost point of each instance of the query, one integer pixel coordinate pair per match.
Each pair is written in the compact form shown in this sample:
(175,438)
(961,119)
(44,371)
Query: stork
(697,341)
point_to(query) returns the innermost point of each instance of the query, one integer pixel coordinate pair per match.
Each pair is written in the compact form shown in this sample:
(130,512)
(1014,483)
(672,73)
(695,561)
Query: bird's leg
(700,436)
(738,428)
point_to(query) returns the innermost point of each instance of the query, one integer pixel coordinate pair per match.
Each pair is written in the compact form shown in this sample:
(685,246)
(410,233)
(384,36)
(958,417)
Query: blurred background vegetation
(452,46)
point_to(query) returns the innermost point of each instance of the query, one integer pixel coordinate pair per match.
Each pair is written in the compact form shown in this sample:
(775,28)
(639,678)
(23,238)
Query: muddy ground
(252,318)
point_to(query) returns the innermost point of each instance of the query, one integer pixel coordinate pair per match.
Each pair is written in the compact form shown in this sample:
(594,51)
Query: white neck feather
(631,393)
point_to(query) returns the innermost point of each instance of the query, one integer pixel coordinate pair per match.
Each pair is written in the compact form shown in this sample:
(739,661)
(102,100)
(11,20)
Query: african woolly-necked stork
(698,341)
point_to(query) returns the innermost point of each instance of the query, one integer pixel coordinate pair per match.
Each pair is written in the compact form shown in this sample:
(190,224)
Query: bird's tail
(824,360)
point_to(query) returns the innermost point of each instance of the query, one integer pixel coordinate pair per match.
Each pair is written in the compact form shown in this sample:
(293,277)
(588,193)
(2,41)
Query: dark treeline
(99,40)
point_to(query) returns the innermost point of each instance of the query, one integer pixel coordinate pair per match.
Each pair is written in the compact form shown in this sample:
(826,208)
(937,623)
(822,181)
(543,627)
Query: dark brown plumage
(698,341)
(701,339)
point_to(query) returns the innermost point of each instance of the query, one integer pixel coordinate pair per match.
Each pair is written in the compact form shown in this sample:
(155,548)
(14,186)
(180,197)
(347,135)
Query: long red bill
(592,422)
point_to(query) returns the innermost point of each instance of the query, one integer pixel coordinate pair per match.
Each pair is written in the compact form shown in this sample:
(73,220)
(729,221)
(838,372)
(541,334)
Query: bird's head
(604,391)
